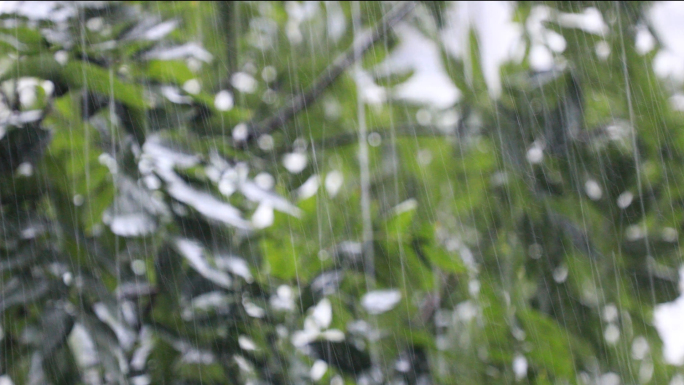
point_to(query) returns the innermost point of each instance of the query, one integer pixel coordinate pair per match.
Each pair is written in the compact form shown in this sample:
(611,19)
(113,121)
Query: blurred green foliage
(527,240)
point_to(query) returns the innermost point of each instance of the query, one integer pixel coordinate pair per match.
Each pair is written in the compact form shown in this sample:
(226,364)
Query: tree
(196,193)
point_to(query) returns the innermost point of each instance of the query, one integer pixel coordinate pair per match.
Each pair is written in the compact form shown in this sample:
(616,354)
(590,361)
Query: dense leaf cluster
(150,233)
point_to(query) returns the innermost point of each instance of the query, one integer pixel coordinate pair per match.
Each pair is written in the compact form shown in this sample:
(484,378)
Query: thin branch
(349,138)
(361,45)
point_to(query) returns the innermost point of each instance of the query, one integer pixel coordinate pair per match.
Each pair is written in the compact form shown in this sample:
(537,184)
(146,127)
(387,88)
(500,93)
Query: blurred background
(341,192)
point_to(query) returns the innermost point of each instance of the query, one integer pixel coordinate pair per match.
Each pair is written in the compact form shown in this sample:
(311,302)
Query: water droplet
(67,278)
(138,267)
(244,82)
(265,142)
(318,370)
(645,371)
(322,313)
(535,251)
(670,234)
(95,24)
(295,162)
(263,216)
(625,199)
(264,180)
(61,57)
(25,169)
(520,367)
(240,132)
(269,74)
(560,274)
(593,190)
(612,334)
(333,182)
(223,101)
(192,86)
(424,117)
(602,50)
(535,154)
(677,379)
(610,313)
(78,200)
(424,157)
(609,379)
(374,139)
(380,301)
(634,232)
(246,343)
(640,348)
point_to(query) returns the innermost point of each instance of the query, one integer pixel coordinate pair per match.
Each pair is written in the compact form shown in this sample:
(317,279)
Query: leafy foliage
(144,240)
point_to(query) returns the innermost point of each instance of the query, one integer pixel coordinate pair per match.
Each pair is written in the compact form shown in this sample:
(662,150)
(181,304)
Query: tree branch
(408,130)
(360,45)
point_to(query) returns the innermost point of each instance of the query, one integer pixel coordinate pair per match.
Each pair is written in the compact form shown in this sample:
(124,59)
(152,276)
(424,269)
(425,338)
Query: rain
(327,192)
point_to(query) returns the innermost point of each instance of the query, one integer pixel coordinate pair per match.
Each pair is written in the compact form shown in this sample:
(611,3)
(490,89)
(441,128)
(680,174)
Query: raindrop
(555,41)
(48,86)
(535,154)
(520,367)
(333,335)
(244,82)
(593,190)
(424,117)
(323,255)
(677,379)
(138,267)
(264,180)
(380,301)
(645,42)
(535,251)
(25,169)
(265,142)
(625,199)
(610,313)
(269,74)
(78,200)
(610,379)
(560,274)
(602,50)
(640,348)
(61,57)
(322,313)
(152,182)
(246,343)
(645,371)
(424,157)
(318,370)
(634,232)
(226,187)
(194,64)
(308,188)
(263,216)
(474,287)
(240,132)
(612,334)
(540,58)
(269,96)
(333,182)
(67,278)
(374,139)
(295,162)
(95,24)
(670,234)
(253,310)
(223,101)
(192,86)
